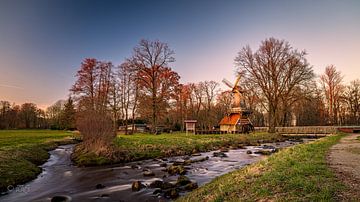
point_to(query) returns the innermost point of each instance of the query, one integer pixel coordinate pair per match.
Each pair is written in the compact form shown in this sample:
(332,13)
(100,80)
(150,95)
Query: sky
(42,42)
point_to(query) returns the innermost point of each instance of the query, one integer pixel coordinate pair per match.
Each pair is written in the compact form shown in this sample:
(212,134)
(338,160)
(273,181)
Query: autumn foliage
(91,90)
(157,81)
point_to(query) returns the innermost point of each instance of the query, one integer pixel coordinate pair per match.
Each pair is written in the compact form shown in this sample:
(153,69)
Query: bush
(97,132)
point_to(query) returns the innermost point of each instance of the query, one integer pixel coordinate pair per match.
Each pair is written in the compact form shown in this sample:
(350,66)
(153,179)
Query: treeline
(60,116)
(25,116)
(279,87)
(144,87)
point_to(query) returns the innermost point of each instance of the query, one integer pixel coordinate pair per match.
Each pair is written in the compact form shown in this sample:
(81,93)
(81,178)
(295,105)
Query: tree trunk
(272,119)
(153,130)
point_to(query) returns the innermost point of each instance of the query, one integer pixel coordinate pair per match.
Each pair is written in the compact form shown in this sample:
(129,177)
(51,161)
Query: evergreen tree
(68,115)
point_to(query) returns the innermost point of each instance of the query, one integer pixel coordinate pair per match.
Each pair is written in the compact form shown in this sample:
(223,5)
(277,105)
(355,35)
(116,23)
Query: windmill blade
(228,83)
(237,81)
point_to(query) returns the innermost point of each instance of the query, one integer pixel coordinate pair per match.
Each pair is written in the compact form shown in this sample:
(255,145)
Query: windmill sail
(228,83)
(237,81)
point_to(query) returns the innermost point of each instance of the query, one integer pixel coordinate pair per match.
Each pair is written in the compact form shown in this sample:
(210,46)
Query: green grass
(21,151)
(146,146)
(299,173)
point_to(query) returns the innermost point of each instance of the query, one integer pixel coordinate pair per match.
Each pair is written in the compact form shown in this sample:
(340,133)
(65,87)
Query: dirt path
(344,158)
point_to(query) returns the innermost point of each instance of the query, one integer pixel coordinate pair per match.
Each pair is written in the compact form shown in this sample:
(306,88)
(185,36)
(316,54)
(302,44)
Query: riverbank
(298,173)
(147,146)
(22,151)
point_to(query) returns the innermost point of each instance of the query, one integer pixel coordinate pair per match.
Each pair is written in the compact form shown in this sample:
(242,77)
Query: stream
(114,183)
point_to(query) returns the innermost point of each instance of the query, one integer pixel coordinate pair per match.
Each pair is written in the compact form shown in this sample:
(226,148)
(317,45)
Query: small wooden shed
(190,125)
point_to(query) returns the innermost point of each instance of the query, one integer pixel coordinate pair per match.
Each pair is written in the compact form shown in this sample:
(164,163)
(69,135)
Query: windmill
(237,93)
(237,119)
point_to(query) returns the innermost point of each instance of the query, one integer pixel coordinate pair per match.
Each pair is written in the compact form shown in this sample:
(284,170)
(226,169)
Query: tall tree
(92,91)
(352,96)
(5,109)
(156,80)
(277,69)
(53,114)
(114,99)
(128,92)
(210,91)
(68,115)
(332,86)
(28,115)
(92,86)
(310,111)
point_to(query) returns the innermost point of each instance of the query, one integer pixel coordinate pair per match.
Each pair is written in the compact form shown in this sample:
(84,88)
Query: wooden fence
(293,130)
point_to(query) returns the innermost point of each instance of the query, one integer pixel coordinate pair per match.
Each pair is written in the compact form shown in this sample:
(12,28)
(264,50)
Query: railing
(309,129)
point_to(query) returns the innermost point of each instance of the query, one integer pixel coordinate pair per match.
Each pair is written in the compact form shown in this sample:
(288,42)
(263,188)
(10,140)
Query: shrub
(97,132)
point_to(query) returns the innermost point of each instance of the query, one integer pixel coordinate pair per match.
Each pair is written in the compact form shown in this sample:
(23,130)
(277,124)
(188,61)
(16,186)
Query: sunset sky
(42,42)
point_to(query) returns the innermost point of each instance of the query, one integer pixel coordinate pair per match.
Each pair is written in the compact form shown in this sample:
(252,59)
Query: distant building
(233,122)
(138,128)
(190,125)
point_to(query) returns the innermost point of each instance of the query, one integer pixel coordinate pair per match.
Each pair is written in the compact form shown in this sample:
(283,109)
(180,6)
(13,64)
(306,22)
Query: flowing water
(113,183)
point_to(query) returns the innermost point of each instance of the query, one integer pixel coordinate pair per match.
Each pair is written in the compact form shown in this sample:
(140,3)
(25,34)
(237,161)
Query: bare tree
(255,102)
(114,99)
(352,96)
(53,114)
(210,91)
(331,82)
(181,107)
(156,80)
(128,90)
(277,69)
(198,98)
(310,111)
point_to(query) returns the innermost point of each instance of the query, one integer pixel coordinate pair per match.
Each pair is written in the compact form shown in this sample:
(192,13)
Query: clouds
(11,86)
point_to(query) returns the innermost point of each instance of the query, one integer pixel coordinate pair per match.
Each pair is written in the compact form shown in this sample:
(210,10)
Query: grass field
(146,146)
(21,151)
(299,173)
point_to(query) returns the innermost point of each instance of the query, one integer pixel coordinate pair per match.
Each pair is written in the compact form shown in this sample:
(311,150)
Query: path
(344,158)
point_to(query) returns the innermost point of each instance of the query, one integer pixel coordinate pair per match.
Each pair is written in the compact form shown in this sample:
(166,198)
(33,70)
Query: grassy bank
(299,173)
(146,146)
(21,151)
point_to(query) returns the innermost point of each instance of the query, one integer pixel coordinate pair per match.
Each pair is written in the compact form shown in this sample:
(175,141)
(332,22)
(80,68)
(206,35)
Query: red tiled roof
(232,119)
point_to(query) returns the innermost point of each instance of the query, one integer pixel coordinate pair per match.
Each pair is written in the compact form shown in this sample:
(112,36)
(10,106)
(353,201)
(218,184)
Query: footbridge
(312,129)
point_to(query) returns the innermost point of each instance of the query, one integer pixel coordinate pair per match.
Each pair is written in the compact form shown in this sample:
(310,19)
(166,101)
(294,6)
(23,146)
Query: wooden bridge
(312,129)
(349,129)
